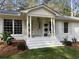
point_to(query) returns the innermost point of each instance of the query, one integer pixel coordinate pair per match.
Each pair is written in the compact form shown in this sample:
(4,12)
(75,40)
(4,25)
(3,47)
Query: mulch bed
(75,45)
(6,50)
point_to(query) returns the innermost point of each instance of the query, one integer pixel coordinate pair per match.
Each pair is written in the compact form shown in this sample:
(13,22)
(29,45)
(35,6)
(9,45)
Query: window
(13,26)
(17,27)
(65,27)
(8,26)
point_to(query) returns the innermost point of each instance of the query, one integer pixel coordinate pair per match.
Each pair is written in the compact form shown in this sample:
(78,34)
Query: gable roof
(39,6)
(9,12)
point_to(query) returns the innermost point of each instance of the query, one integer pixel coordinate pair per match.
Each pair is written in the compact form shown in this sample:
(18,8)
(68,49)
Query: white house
(40,26)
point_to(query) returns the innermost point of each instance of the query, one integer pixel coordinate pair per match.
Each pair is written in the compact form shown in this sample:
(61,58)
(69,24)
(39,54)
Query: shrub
(7,38)
(67,43)
(74,40)
(21,46)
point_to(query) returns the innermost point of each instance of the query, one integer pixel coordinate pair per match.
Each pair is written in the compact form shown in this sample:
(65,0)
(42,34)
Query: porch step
(42,42)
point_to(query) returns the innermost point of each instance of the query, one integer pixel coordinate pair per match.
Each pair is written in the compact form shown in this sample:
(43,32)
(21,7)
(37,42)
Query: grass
(47,53)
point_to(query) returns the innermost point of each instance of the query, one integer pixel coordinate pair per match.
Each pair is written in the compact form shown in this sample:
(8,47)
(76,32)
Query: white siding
(75,30)
(59,30)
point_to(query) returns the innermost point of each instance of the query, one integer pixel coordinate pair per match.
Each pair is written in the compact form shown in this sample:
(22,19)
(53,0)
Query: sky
(14,1)
(75,5)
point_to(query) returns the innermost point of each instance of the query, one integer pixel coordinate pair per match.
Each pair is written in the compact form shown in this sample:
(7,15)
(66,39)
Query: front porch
(41,32)
(40,28)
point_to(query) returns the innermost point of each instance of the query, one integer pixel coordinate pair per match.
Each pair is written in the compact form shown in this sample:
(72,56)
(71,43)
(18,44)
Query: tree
(61,6)
(22,4)
(11,4)
(1,3)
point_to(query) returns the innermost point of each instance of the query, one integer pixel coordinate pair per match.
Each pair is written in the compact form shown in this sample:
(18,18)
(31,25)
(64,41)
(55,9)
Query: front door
(46,28)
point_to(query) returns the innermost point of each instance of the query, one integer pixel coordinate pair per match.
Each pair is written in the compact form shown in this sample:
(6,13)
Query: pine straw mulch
(6,50)
(76,45)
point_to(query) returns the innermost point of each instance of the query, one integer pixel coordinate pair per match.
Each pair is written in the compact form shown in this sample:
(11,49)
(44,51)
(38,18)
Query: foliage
(61,6)
(74,40)
(66,11)
(67,43)
(77,15)
(13,4)
(21,46)
(21,4)
(7,38)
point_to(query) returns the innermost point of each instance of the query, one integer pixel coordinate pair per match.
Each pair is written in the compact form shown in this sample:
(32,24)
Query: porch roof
(68,18)
(40,6)
(57,15)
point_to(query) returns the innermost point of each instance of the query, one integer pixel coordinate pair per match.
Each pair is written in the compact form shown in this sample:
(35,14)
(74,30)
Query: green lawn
(47,53)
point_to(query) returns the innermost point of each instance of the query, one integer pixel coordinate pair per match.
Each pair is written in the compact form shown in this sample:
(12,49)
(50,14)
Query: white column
(54,27)
(27,26)
(51,27)
(30,26)
(1,25)
(13,26)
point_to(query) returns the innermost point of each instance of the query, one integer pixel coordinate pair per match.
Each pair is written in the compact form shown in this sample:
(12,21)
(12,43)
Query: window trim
(13,26)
